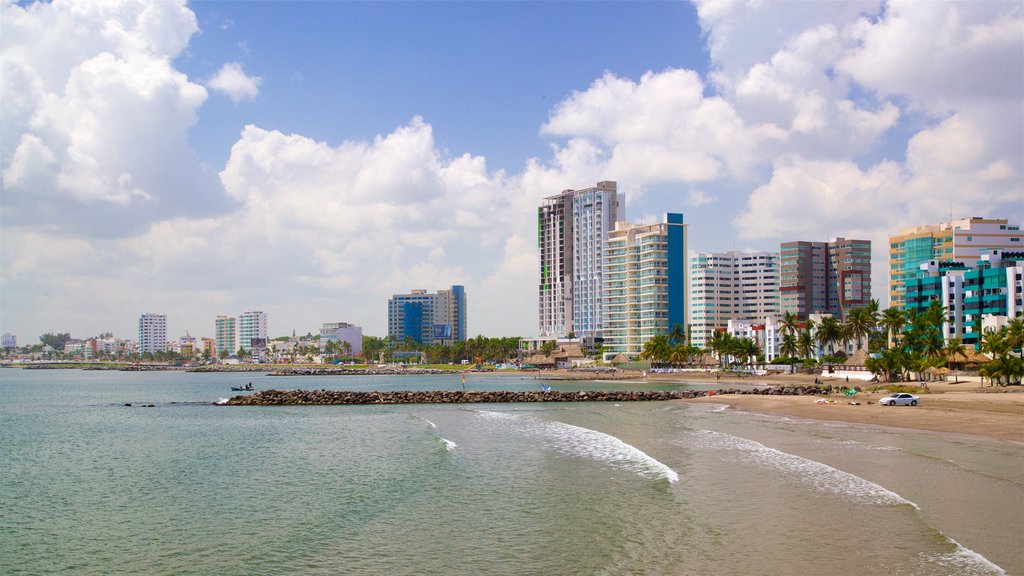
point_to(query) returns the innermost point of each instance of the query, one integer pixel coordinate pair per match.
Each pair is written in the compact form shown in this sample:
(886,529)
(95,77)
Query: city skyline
(310,162)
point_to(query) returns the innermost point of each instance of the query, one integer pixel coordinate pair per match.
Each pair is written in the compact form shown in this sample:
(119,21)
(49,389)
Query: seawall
(335,397)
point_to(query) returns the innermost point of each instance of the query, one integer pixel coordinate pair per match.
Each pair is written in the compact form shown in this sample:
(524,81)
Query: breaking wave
(584,442)
(821,477)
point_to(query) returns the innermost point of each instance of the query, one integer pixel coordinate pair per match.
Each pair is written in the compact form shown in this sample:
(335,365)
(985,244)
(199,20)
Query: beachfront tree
(954,348)
(657,349)
(680,354)
(746,348)
(829,332)
(893,320)
(677,335)
(789,324)
(861,323)
(719,344)
(789,346)
(805,344)
(1015,333)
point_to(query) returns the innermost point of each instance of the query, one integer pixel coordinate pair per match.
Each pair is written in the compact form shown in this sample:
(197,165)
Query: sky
(311,159)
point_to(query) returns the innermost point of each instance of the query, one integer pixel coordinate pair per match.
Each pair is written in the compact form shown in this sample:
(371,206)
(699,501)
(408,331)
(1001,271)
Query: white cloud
(942,56)
(696,198)
(97,140)
(232,80)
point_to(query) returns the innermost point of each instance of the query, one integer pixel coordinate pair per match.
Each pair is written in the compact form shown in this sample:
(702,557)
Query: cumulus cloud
(661,129)
(96,141)
(232,80)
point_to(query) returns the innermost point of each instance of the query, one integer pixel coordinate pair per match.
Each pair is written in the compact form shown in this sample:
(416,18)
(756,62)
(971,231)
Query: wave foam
(578,441)
(821,477)
(449,444)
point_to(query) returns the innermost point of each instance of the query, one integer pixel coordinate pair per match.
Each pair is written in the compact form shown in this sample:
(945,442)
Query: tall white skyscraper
(741,286)
(572,230)
(152,333)
(252,326)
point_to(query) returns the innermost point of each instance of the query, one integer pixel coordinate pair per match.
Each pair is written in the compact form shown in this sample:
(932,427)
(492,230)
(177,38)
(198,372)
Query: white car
(901,399)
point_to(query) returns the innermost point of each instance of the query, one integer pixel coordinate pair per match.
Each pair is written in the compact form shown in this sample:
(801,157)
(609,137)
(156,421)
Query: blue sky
(309,159)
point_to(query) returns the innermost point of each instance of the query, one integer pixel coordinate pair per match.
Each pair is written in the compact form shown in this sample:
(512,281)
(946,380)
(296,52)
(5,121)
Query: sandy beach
(961,408)
(964,407)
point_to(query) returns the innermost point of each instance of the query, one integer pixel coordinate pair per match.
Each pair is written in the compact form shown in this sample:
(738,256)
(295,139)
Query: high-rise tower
(572,229)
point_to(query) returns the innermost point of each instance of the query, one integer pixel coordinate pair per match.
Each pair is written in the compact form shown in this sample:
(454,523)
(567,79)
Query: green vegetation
(918,345)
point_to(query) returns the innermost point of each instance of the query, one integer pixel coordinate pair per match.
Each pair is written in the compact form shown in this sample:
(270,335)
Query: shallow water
(90,486)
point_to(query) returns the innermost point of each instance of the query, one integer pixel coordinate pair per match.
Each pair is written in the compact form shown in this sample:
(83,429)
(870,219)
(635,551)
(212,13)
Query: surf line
(584,442)
(825,478)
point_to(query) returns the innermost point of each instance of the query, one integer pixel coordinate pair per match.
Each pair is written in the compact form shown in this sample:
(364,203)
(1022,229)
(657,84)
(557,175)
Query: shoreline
(963,407)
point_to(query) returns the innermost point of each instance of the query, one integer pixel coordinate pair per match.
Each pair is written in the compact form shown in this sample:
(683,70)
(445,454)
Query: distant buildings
(987,293)
(343,333)
(428,318)
(645,281)
(963,240)
(8,341)
(738,286)
(152,333)
(825,277)
(572,228)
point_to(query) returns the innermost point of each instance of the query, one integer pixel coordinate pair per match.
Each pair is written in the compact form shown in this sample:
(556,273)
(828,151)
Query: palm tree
(789,324)
(829,332)
(954,348)
(861,323)
(789,345)
(719,344)
(893,320)
(1015,333)
(677,335)
(746,348)
(805,344)
(680,354)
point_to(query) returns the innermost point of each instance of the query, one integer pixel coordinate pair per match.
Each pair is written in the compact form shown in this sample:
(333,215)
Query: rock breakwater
(335,397)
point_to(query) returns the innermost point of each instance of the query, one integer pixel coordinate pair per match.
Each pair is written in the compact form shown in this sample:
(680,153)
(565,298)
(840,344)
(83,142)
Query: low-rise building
(348,336)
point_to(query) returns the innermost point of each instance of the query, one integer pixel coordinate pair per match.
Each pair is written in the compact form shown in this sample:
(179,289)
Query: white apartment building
(8,341)
(252,330)
(342,332)
(152,333)
(594,213)
(764,332)
(724,286)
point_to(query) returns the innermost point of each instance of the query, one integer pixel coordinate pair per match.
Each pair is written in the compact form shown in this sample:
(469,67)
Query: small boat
(246,388)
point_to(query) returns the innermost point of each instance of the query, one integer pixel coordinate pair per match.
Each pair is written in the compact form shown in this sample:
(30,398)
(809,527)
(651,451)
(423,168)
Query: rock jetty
(357,371)
(335,397)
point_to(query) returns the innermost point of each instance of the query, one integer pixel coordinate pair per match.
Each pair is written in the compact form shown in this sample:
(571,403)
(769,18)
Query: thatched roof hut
(619,359)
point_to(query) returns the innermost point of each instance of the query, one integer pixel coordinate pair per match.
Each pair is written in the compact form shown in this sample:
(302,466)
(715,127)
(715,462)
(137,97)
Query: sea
(89,485)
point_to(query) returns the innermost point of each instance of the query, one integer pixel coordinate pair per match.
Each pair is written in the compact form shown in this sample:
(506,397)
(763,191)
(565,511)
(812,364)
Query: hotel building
(963,240)
(225,331)
(724,286)
(572,228)
(645,280)
(152,333)
(252,330)
(825,277)
(428,318)
(988,293)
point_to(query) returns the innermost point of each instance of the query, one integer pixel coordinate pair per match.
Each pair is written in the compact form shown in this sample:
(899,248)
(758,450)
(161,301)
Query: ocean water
(90,486)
